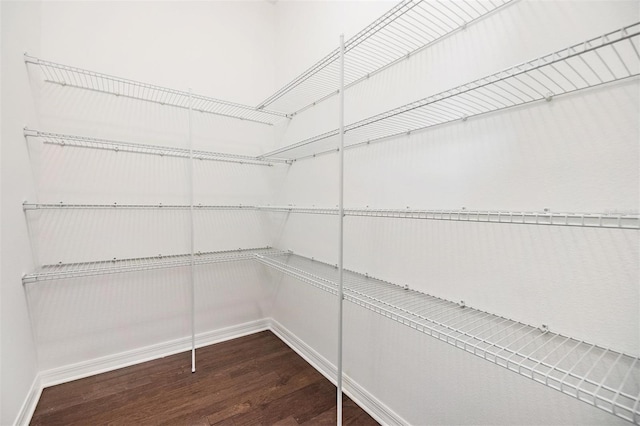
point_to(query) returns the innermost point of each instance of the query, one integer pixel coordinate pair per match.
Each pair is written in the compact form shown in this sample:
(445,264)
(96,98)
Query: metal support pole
(192,264)
(341,232)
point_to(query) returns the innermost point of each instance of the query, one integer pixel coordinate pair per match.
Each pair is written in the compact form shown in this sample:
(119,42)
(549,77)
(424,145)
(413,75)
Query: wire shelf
(115,206)
(406,29)
(611,57)
(65,75)
(599,376)
(86,269)
(588,220)
(304,210)
(119,146)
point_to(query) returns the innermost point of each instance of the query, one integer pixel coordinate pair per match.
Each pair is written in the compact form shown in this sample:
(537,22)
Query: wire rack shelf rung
(65,140)
(587,220)
(69,76)
(85,269)
(116,206)
(571,219)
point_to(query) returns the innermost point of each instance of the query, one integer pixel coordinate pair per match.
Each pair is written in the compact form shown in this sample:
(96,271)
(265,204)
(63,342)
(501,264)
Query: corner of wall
(367,401)
(30,402)
(20,386)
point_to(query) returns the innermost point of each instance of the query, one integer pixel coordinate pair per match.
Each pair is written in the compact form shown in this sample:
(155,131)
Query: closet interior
(481,214)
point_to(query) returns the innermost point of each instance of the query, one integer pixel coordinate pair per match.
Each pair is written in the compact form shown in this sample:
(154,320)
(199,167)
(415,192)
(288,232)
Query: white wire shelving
(86,269)
(546,217)
(74,141)
(602,60)
(602,377)
(69,76)
(403,31)
(115,206)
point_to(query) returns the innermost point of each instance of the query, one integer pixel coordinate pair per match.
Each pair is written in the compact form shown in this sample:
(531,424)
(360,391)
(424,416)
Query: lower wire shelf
(85,269)
(599,376)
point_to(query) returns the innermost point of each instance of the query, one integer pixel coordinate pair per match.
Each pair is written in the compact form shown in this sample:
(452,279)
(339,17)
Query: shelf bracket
(30,59)
(27,132)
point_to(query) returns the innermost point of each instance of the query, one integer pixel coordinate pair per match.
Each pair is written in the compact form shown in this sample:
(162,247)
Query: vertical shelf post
(192,263)
(341,233)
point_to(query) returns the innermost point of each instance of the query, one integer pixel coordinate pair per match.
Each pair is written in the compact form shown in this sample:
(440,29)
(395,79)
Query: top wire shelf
(599,376)
(407,28)
(90,80)
(605,59)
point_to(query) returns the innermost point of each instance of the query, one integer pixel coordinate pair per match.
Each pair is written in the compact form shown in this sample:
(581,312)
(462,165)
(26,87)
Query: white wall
(306,31)
(223,49)
(576,153)
(18,359)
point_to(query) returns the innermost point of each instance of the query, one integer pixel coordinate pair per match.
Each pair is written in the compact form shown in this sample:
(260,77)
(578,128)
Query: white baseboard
(67,373)
(317,361)
(357,393)
(233,332)
(95,366)
(30,403)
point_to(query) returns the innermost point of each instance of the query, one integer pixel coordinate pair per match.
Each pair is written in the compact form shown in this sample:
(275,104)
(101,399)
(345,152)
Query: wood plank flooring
(253,380)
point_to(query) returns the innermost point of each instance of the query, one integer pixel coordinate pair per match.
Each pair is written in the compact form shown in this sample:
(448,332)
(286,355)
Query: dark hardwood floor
(253,380)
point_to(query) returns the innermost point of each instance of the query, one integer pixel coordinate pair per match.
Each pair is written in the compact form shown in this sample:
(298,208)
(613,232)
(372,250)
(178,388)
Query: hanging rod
(597,375)
(601,60)
(117,146)
(546,217)
(85,269)
(65,75)
(406,29)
